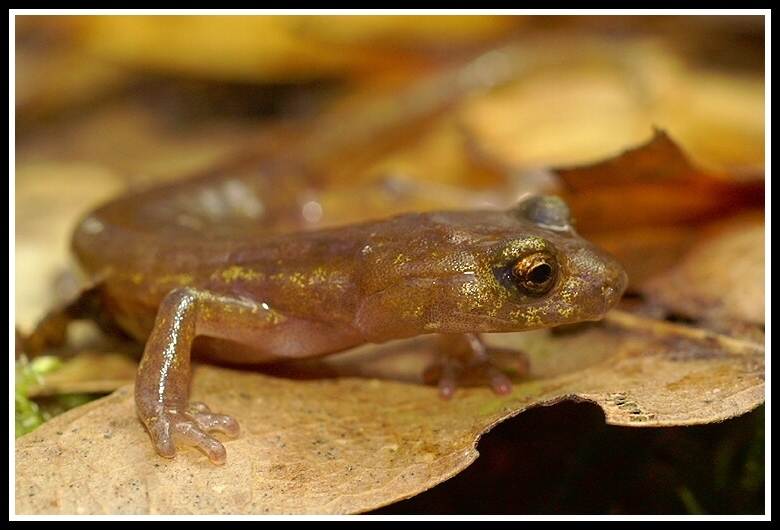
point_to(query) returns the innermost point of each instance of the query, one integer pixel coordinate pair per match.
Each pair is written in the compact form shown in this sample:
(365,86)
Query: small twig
(729,345)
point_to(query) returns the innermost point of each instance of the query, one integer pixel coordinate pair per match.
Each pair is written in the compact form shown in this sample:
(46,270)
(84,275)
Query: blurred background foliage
(156,97)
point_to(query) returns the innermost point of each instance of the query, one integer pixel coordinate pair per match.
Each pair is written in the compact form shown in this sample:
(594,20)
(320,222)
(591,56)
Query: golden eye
(535,274)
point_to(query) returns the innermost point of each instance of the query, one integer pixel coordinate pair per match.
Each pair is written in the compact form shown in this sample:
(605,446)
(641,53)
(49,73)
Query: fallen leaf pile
(661,163)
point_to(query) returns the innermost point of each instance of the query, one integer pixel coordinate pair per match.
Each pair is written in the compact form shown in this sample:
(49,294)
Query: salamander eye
(534,274)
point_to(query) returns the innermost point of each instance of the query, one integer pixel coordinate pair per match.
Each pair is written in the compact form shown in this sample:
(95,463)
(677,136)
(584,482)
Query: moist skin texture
(165,278)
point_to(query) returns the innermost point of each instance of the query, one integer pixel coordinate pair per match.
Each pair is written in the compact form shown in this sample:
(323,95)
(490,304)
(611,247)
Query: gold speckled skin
(327,290)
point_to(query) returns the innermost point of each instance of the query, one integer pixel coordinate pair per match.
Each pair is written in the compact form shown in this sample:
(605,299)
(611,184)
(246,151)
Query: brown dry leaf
(349,445)
(662,185)
(720,282)
(318,443)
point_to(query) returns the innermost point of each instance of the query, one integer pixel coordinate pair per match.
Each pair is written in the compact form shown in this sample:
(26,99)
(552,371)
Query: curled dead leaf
(720,282)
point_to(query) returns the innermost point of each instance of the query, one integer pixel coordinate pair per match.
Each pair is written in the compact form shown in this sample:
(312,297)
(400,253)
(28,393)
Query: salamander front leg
(161,389)
(465,359)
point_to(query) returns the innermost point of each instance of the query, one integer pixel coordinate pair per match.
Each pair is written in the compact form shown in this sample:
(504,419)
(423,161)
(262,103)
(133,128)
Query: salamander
(197,259)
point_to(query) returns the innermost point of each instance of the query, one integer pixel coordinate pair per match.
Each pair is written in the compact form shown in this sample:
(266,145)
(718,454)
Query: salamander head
(516,270)
(541,274)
